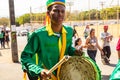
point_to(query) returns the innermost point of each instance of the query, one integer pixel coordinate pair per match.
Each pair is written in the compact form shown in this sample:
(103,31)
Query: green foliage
(4,20)
(23,19)
(94,14)
(33,17)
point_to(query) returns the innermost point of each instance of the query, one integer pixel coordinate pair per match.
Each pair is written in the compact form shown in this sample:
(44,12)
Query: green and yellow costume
(44,42)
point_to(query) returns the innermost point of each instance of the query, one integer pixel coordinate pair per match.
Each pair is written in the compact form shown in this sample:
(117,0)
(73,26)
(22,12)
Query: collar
(50,31)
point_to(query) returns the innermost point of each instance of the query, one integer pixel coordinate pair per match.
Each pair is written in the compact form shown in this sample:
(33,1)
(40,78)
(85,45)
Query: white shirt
(106,42)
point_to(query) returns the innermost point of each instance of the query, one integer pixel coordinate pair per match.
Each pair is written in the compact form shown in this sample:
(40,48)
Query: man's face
(57,13)
(105,28)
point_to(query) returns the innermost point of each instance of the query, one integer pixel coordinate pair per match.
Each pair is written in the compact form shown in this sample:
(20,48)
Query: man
(106,38)
(50,42)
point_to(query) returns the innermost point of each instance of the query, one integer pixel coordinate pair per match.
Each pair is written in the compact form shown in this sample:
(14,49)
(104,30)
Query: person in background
(1,39)
(79,45)
(106,38)
(86,31)
(7,39)
(50,43)
(92,45)
(118,49)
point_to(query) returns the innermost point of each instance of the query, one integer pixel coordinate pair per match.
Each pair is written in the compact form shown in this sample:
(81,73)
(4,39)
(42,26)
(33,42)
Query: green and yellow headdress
(51,2)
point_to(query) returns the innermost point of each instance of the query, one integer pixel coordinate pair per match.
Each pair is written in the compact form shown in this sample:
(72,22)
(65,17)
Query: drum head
(80,68)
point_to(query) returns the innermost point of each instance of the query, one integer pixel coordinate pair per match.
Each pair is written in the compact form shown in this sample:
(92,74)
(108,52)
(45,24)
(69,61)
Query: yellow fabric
(50,31)
(60,44)
(62,52)
(47,21)
(36,58)
(36,55)
(25,76)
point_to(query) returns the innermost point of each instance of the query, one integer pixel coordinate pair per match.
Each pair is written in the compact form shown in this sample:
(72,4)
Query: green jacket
(46,46)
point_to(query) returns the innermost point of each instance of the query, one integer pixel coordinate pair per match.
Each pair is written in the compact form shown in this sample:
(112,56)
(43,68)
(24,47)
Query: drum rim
(95,66)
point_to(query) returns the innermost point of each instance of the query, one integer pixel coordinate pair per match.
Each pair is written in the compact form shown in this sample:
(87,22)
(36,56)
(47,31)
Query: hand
(78,52)
(102,53)
(111,37)
(44,75)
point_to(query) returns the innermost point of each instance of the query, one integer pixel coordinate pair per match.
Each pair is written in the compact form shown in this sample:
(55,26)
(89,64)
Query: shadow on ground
(105,77)
(112,65)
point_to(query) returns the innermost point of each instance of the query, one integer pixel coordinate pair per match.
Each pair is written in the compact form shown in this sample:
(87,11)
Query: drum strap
(62,51)
(25,76)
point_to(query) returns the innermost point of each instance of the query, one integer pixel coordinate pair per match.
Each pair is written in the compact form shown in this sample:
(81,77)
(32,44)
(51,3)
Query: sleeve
(118,45)
(29,51)
(71,50)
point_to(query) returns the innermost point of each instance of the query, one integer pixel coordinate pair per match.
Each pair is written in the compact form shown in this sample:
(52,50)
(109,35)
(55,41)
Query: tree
(4,20)
(23,19)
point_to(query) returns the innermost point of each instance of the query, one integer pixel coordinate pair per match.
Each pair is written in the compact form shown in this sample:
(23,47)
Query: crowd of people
(4,39)
(91,42)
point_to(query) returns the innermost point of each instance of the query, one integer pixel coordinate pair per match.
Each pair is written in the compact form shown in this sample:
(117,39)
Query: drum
(80,68)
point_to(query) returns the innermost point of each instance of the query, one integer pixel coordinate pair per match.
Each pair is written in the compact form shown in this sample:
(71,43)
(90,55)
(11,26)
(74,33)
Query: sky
(23,6)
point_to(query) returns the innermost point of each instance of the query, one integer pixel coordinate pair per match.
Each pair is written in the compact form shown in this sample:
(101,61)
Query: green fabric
(47,48)
(116,72)
(49,2)
(29,35)
(33,57)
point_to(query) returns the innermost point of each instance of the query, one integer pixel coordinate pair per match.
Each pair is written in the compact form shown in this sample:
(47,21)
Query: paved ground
(12,71)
